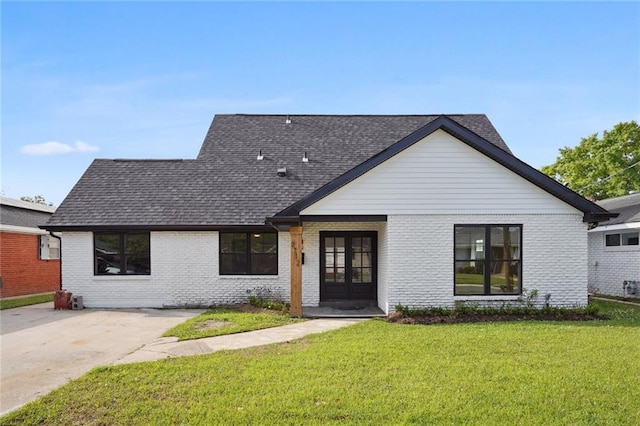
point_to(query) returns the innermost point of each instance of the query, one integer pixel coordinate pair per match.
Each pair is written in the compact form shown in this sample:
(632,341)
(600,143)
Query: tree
(604,167)
(38,199)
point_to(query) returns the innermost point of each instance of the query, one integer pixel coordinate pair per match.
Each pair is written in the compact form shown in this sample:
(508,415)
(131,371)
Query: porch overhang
(343,218)
(284,223)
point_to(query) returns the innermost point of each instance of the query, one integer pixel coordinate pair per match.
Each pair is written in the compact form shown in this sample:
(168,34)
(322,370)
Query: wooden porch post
(296,271)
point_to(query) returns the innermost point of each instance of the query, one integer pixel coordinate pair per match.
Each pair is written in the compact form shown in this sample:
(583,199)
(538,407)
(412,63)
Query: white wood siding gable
(439,175)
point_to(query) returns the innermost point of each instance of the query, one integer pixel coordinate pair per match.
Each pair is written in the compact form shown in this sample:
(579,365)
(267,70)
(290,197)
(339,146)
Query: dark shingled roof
(226,185)
(628,207)
(24,214)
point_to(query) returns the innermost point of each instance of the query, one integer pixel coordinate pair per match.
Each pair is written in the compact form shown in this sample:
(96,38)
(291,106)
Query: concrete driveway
(42,349)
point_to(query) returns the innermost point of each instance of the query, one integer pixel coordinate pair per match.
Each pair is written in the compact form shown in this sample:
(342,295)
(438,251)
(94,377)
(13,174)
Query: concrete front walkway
(166,347)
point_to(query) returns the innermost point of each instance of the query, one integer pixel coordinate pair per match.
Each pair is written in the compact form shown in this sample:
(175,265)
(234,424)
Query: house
(420,210)
(29,256)
(614,249)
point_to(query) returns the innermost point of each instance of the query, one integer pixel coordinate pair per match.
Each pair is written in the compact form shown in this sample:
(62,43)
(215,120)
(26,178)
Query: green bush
(461,309)
(260,302)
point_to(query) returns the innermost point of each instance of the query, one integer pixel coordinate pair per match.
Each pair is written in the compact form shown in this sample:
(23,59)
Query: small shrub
(527,309)
(274,305)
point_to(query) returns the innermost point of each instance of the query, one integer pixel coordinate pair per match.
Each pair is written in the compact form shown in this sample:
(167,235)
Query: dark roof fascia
(126,228)
(283,223)
(592,211)
(343,218)
(599,217)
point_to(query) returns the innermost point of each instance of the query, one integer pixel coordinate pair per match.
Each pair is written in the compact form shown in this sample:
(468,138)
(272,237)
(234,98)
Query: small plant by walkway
(221,321)
(25,301)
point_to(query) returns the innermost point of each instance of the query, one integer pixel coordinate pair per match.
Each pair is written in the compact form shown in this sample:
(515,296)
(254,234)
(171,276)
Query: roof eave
(176,227)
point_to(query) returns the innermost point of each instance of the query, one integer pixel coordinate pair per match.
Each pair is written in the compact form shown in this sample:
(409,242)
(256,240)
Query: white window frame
(49,248)
(621,246)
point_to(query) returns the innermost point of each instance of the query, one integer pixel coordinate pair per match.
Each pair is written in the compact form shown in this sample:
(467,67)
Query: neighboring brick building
(29,256)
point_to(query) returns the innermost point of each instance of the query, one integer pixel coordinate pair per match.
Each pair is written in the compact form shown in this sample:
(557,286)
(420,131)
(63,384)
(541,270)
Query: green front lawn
(221,321)
(527,373)
(25,301)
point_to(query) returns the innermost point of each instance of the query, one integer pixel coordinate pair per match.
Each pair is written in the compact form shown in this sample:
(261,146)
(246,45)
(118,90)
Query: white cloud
(85,147)
(54,148)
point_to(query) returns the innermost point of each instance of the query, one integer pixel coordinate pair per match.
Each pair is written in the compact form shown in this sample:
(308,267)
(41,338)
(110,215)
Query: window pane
(356,275)
(357,260)
(243,253)
(339,278)
(233,263)
(329,275)
(469,242)
(107,252)
(630,239)
(612,240)
(264,243)
(340,258)
(328,257)
(366,259)
(233,242)
(505,242)
(54,247)
(356,244)
(339,245)
(469,277)
(264,264)
(329,243)
(367,276)
(366,245)
(504,278)
(137,249)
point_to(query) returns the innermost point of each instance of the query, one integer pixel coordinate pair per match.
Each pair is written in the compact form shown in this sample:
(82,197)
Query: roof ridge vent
(282,171)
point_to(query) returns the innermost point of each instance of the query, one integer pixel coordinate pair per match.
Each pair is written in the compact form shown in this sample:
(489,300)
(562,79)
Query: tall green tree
(603,167)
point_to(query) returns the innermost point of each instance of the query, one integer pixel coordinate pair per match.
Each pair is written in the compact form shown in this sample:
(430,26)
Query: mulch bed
(465,318)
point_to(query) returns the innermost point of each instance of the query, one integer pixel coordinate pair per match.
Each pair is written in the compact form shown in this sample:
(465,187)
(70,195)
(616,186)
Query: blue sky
(85,80)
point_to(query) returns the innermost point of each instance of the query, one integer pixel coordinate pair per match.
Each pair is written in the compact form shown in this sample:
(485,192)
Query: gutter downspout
(60,242)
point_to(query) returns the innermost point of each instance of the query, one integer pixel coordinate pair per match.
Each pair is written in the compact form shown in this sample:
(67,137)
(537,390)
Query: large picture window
(488,259)
(119,253)
(248,253)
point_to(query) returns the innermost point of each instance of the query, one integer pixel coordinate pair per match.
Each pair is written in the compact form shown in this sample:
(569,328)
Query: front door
(347,266)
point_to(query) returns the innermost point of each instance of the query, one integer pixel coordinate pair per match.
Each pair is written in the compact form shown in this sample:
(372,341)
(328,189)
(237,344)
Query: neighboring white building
(614,249)
(327,210)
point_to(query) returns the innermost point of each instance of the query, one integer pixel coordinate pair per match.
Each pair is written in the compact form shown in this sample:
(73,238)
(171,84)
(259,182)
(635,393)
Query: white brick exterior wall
(610,267)
(415,264)
(415,258)
(420,258)
(184,272)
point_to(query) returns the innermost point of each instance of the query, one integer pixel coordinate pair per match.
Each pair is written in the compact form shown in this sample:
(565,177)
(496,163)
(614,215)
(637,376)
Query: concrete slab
(42,349)
(342,312)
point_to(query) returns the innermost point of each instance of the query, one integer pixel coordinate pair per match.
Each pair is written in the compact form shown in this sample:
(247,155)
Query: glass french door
(347,266)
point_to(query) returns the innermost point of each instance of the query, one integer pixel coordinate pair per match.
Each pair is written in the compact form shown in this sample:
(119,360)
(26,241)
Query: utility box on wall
(631,288)
(76,302)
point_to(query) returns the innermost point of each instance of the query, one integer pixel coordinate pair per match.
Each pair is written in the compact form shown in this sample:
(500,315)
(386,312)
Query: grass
(221,321)
(534,373)
(25,301)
